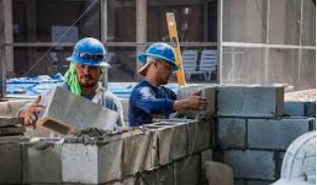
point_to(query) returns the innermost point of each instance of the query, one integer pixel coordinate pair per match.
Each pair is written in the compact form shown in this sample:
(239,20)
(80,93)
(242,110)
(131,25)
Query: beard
(87,81)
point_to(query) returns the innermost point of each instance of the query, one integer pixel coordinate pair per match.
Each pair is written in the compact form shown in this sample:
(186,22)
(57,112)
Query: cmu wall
(246,127)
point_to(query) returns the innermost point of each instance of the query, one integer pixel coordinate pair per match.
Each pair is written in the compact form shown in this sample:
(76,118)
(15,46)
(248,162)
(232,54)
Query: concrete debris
(218,173)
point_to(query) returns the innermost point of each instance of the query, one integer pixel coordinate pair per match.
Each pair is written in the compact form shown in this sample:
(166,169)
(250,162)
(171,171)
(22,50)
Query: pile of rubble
(305,95)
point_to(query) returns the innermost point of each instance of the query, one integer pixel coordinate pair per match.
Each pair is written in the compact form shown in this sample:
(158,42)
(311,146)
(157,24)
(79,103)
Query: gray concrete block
(162,176)
(251,164)
(42,165)
(11,108)
(92,164)
(11,163)
(294,108)
(275,133)
(12,131)
(4,121)
(310,109)
(232,132)
(186,171)
(199,135)
(172,142)
(134,151)
(250,101)
(67,113)
(208,92)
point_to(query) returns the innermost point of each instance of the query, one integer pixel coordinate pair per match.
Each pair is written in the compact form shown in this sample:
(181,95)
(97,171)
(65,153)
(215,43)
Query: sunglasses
(88,56)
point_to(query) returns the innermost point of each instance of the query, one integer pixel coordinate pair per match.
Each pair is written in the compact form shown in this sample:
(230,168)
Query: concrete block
(199,135)
(172,141)
(250,101)
(5,121)
(42,165)
(92,164)
(218,173)
(274,133)
(251,164)
(162,176)
(12,131)
(294,108)
(310,109)
(67,113)
(187,171)
(232,133)
(11,108)
(134,147)
(11,163)
(208,92)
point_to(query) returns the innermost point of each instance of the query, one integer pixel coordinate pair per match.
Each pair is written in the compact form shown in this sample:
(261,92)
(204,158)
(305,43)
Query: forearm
(181,105)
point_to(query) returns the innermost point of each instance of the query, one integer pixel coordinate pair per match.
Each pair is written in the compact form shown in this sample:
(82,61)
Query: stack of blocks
(253,132)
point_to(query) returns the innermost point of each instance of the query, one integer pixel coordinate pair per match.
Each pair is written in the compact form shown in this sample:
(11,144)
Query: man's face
(88,76)
(164,71)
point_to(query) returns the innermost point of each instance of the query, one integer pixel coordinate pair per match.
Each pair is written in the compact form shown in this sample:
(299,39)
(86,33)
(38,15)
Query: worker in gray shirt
(82,78)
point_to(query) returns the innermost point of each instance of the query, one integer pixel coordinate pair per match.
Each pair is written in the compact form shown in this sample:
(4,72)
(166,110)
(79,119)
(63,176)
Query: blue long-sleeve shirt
(148,102)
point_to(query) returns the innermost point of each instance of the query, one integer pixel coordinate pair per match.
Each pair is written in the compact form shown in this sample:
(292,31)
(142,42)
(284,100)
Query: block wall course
(250,101)
(275,133)
(251,164)
(208,92)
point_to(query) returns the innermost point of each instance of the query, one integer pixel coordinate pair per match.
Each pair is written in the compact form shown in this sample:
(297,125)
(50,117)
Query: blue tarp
(34,86)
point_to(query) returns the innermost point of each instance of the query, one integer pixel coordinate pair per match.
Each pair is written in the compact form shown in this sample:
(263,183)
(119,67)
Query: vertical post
(267,41)
(8,36)
(104,36)
(300,44)
(141,27)
(219,45)
(206,21)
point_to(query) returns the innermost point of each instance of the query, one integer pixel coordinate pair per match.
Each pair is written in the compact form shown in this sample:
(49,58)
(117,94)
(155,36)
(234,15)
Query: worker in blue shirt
(150,99)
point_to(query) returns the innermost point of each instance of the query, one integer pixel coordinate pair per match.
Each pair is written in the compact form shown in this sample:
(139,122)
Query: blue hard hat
(162,51)
(89,51)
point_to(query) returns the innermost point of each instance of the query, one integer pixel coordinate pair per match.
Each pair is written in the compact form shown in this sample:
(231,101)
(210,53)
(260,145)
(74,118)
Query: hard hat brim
(142,58)
(88,62)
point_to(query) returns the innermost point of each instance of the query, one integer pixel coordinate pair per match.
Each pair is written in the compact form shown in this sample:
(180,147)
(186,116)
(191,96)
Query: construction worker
(150,99)
(85,70)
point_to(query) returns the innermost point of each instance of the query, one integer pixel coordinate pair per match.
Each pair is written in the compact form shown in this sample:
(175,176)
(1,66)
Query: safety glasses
(89,56)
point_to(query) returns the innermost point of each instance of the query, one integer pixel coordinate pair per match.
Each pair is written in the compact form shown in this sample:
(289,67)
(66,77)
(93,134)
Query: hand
(196,102)
(29,112)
